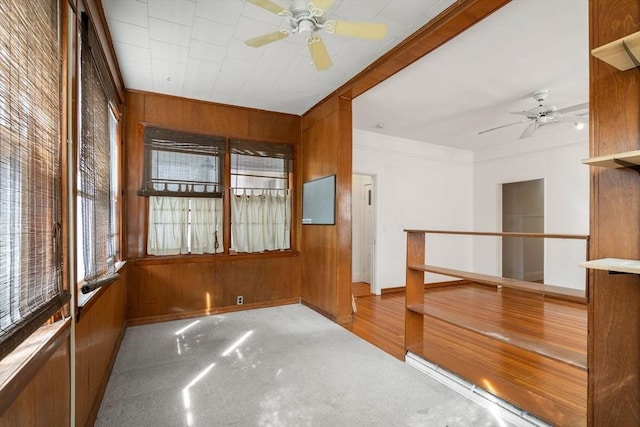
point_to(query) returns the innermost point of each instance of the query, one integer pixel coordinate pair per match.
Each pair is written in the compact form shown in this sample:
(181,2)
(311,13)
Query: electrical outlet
(240,300)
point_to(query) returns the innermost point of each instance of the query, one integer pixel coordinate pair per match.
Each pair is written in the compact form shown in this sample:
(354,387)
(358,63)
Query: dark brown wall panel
(326,249)
(614,308)
(99,331)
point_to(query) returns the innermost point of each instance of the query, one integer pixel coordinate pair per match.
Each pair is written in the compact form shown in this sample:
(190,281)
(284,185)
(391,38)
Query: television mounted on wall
(319,201)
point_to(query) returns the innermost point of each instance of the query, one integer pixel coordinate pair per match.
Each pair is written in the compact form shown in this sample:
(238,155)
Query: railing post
(414,290)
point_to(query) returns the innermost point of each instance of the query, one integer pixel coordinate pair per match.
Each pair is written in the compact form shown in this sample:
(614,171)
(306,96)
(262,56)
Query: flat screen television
(319,201)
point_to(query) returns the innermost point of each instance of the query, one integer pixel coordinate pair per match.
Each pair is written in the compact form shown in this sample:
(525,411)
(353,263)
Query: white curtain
(206,226)
(261,221)
(168,222)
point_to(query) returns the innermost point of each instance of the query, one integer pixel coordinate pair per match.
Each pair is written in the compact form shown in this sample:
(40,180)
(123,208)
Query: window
(98,229)
(260,196)
(183,177)
(30,242)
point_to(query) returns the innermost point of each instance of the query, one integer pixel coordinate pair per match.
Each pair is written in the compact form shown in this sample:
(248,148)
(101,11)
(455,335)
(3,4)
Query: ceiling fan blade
(324,5)
(503,126)
(266,39)
(268,5)
(362,30)
(576,107)
(574,119)
(319,54)
(529,130)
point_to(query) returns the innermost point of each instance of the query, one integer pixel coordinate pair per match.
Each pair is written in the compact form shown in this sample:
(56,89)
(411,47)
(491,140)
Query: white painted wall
(427,186)
(421,186)
(566,201)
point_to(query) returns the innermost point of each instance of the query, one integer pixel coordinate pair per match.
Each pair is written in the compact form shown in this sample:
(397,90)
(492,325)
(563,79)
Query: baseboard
(499,408)
(210,311)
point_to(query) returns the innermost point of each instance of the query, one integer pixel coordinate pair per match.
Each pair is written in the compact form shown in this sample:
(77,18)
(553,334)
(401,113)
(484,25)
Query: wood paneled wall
(99,331)
(326,249)
(614,308)
(171,287)
(161,291)
(46,400)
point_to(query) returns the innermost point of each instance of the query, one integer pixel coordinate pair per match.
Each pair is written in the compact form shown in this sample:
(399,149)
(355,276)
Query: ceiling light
(579,125)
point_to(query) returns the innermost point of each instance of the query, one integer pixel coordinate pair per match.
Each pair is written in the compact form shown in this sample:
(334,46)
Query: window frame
(225,194)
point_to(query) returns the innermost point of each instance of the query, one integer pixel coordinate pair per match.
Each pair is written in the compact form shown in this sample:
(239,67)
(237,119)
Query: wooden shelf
(617,160)
(618,265)
(557,292)
(617,55)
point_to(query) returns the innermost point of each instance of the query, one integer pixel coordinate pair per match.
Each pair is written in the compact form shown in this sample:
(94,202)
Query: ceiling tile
(177,11)
(198,86)
(132,12)
(237,67)
(225,12)
(136,75)
(129,33)
(199,66)
(239,50)
(207,51)
(169,52)
(364,10)
(212,32)
(127,52)
(169,32)
(168,76)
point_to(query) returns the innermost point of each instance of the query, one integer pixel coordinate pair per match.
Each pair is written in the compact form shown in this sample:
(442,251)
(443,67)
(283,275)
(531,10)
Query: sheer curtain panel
(261,222)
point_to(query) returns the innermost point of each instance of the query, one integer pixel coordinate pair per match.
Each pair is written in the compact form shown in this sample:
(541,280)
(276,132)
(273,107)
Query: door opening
(523,211)
(362,228)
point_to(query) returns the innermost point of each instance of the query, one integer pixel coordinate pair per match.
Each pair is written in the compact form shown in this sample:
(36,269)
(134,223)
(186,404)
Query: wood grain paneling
(182,289)
(161,287)
(45,401)
(614,309)
(99,331)
(326,249)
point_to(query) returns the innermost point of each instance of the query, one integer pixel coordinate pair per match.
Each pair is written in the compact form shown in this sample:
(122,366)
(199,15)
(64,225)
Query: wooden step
(557,292)
(534,345)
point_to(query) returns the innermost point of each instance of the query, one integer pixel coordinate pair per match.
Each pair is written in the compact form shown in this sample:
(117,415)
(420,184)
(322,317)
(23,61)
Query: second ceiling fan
(309,18)
(545,114)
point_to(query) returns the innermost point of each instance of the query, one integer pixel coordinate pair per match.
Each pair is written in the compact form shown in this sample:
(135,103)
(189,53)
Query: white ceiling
(473,82)
(195,49)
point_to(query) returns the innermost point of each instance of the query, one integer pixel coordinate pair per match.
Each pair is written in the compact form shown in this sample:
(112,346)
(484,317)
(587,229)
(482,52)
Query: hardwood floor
(380,321)
(528,349)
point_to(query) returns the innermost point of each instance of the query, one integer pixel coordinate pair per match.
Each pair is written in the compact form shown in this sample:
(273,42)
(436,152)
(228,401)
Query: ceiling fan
(545,114)
(308,18)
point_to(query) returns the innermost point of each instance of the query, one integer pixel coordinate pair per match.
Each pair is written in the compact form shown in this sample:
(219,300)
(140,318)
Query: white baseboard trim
(501,409)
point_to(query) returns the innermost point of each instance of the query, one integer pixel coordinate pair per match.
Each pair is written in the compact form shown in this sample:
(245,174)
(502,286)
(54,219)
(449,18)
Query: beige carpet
(283,366)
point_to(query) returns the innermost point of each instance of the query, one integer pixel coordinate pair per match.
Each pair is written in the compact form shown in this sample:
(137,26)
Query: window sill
(86,300)
(19,367)
(183,259)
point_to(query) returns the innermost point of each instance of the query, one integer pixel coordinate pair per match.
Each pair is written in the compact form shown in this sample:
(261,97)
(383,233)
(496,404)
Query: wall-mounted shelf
(614,265)
(623,53)
(629,159)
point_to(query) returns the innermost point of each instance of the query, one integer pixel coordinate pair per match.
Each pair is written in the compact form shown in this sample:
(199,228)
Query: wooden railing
(556,358)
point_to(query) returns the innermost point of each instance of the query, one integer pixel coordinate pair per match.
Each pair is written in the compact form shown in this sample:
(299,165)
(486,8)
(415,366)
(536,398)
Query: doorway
(362,229)
(523,211)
